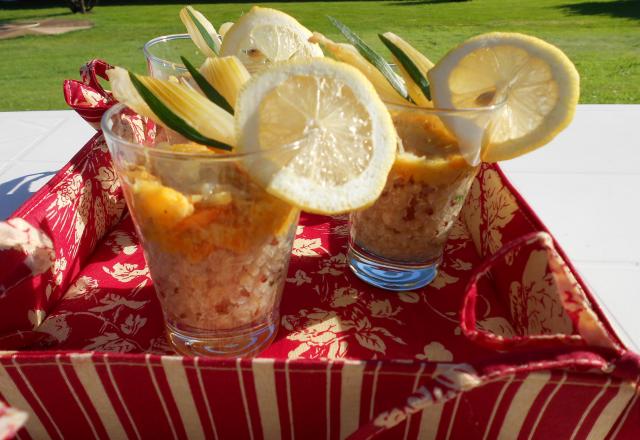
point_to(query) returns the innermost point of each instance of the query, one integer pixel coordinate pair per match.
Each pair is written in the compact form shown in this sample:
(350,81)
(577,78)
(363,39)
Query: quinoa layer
(411,220)
(425,190)
(225,289)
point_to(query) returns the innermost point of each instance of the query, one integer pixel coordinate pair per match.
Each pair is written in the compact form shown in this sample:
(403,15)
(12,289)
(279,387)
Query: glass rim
(392,106)
(161,39)
(224,156)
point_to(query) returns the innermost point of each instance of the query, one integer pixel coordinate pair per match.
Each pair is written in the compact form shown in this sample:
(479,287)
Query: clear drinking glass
(217,244)
(163,56)
(398,242)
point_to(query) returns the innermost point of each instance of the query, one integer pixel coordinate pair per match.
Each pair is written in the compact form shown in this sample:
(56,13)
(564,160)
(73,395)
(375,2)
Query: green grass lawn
(601,37)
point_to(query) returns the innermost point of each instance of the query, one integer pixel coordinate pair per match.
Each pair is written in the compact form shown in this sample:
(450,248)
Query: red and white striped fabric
(99,395)
(11,420)
(506,343)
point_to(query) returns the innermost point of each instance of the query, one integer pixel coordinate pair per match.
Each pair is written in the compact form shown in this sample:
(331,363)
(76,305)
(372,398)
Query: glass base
(390,275)
(245,341)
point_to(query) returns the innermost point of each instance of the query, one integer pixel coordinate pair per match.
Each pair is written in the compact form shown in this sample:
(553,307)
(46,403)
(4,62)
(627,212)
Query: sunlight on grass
(601,37)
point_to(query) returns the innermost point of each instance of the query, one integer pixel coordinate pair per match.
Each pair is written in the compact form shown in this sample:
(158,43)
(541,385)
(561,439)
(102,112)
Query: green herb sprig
(205,35)
(171,120)
(414,72)
(208,90)
(373,57)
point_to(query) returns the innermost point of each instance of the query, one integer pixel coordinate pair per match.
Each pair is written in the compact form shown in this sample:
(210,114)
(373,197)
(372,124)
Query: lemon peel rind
(359,192)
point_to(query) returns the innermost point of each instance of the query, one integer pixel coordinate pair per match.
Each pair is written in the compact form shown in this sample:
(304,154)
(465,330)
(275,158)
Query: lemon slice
(331,139)
(264,36)
(536,83)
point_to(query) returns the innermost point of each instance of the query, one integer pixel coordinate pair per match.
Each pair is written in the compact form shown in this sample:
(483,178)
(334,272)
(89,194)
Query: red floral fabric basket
(506,343)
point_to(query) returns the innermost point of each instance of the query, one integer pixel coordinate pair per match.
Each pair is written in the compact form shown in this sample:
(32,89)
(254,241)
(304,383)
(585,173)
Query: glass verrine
(216,243)
(398,242)
(163,56)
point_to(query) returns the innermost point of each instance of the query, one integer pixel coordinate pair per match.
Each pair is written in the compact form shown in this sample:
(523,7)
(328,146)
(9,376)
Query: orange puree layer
(429,153)
(237,217)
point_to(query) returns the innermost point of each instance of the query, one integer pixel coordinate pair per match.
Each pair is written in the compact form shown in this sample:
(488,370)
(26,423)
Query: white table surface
(584,186)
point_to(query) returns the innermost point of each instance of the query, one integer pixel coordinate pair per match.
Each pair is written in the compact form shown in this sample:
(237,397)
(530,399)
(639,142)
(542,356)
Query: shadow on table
(616,9)
(14,192)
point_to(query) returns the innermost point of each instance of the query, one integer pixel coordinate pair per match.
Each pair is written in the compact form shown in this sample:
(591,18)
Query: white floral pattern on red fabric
(327,313)
(435,352)
(536,308)
(489,208)
(35,245)
(70,216)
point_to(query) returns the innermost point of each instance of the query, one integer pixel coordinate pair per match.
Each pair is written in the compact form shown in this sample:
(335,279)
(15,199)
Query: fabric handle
(88,97)
(546,307)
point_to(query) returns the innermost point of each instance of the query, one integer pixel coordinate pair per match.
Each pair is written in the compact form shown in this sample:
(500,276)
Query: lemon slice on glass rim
(264,36)
(534,83)
(334,138)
